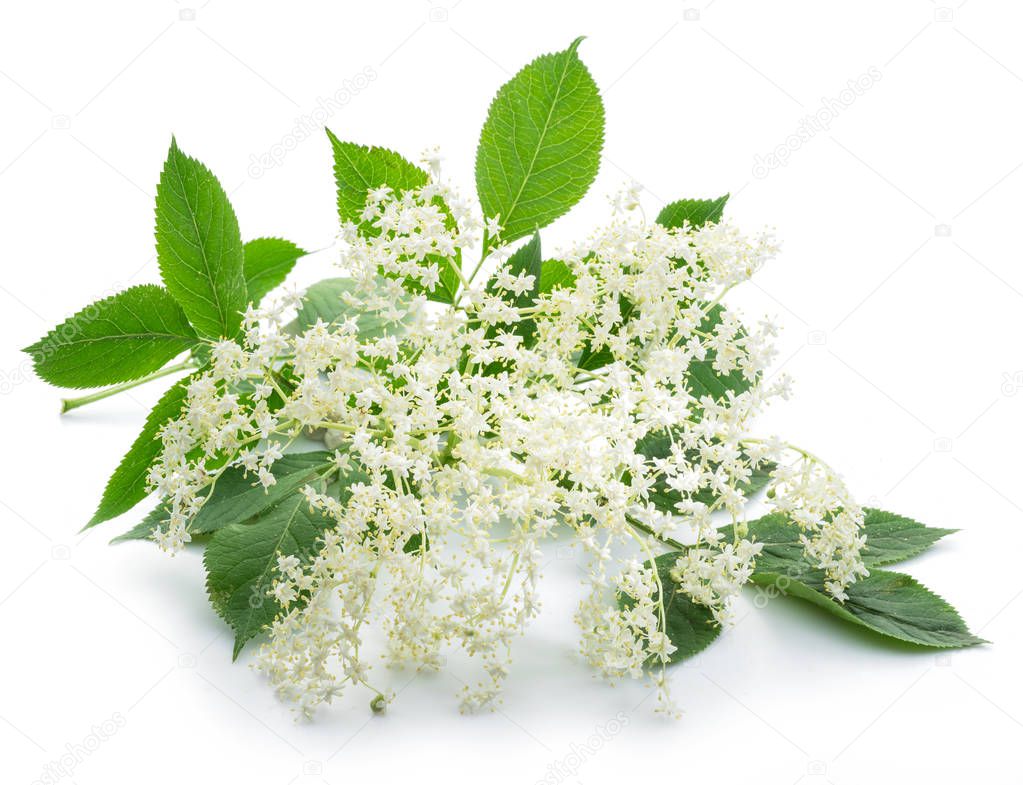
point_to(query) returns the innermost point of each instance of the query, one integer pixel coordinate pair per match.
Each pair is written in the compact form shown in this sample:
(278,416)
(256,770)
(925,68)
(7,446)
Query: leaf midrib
(539,144)
(201,245)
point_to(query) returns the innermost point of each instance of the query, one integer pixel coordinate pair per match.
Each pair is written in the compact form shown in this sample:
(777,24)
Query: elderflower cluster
(468,435)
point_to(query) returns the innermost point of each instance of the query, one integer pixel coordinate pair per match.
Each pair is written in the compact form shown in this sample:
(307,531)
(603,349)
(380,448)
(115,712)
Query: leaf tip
(574,46)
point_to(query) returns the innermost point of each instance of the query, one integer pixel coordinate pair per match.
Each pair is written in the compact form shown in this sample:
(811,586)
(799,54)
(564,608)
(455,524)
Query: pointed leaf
(127,486)
(237,498)
(199,247)
(890,538)
(241,563)
(359,169)
(889,603)
(117,339)
(696,211)
(539,150)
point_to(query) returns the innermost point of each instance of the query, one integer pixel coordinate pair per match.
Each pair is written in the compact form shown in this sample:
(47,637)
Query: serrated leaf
(268,260)
(539,149)
(696,211)
(555,274)
(358,169)
(890,538)
(236,498)
(116,339)
(889,603)
(690,627)
(199,247)
(127,486)
(241,563)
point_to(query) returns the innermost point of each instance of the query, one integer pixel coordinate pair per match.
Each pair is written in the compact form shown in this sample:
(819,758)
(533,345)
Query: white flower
(467,437)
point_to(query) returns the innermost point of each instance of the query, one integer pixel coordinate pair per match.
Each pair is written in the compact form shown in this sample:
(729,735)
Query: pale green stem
(67,404)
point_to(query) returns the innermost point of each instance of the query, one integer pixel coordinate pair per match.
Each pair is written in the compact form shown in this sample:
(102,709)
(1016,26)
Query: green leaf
(528,260)
(696,211)
(326,300)
(690,627)
(662,496)
(198,246)
(555,274)
(241,563)
(539,150)
(236,498)
(117,339)
(889,603)
(591,358)
(127,486)
(703,378)
(782,550)
(359,169)
(268,260)
(890,538)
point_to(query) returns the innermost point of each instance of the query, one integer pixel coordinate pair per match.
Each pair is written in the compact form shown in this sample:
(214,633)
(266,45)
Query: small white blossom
(466,438)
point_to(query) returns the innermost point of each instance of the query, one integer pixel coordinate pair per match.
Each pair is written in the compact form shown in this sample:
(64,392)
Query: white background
(904,339)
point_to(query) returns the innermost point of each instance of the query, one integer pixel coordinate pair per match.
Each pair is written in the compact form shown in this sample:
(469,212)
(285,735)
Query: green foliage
(889,603)
(539,150)
(127,486)
(703,378)
(661,495)
(359,169)
(696,211)
(538,153)
(690,627)
(268,260)
(555,274)
(116,339)
(199,247)
(890,538)
(241,563)
(237,497)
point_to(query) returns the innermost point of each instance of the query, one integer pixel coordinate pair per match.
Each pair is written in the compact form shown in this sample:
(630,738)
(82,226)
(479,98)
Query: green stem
(636,524)
(67,404)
